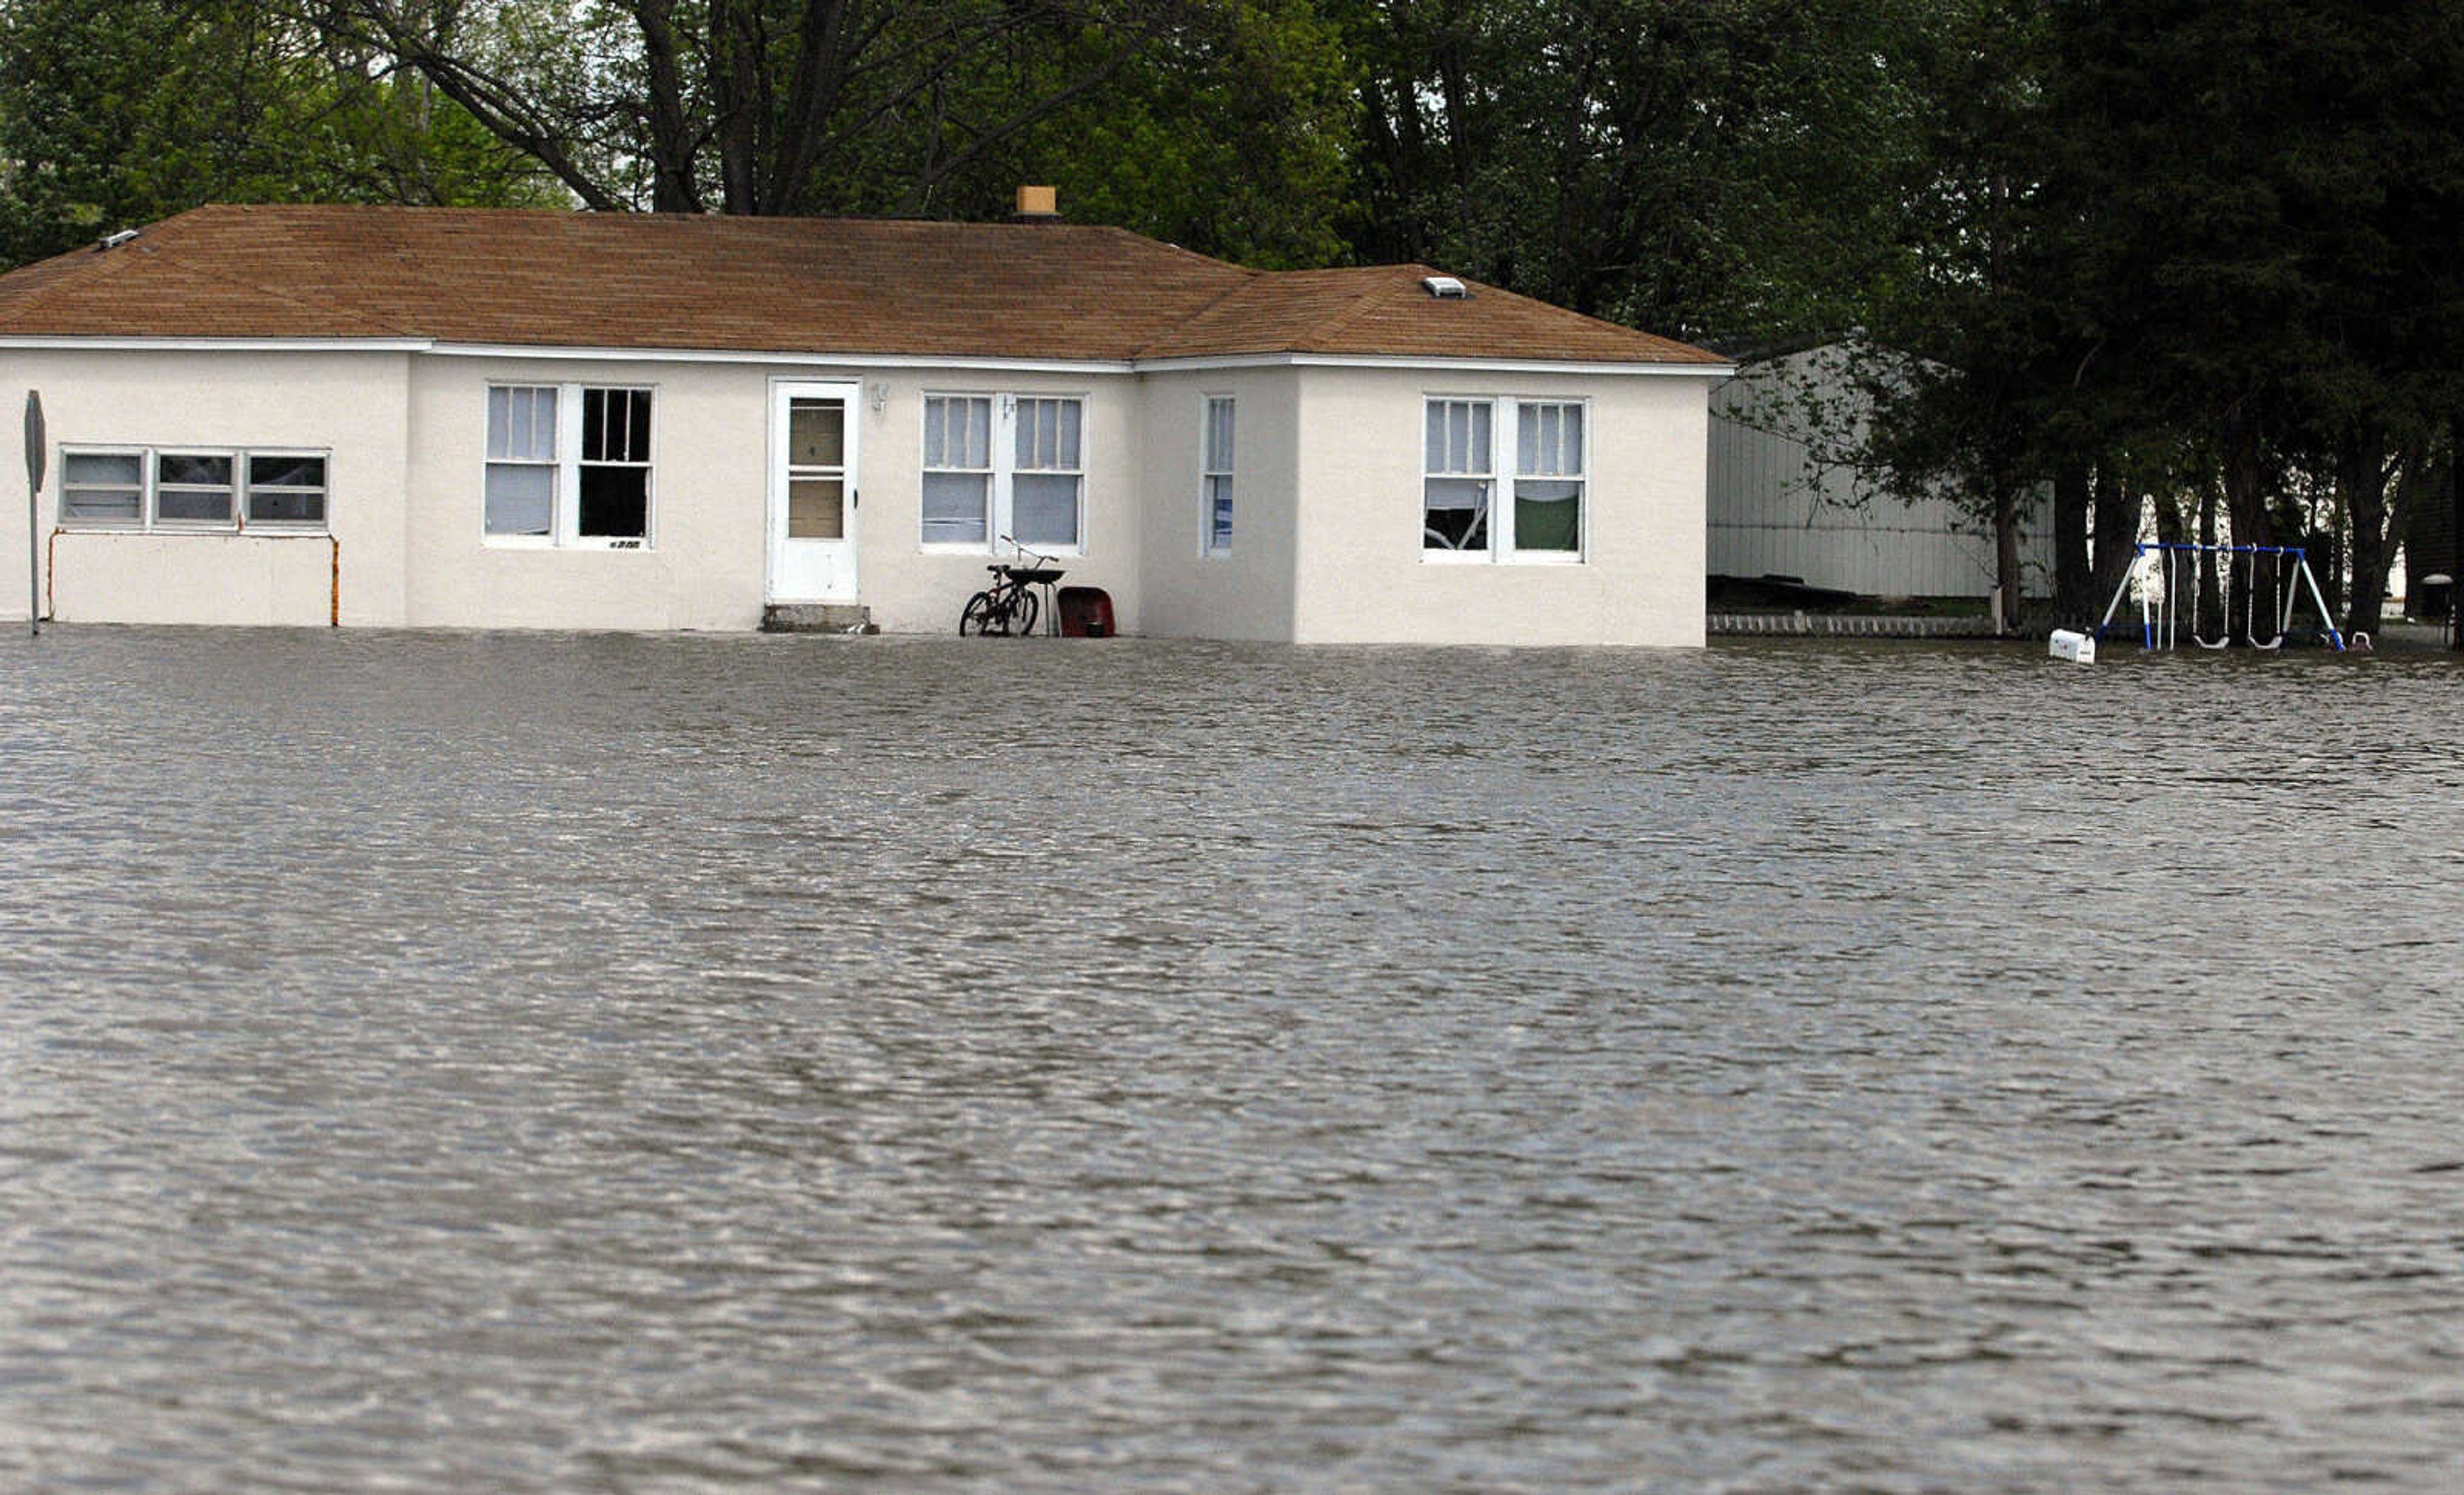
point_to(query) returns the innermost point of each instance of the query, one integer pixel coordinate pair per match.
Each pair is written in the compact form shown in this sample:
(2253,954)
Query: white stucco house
(402,417)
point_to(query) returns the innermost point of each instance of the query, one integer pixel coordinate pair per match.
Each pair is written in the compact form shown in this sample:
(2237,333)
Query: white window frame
(565,486)
(149,518)
(1500,477)
(1581,478)
(1001,486)
(155,487)
(248,489)
(144,487)
(1216,469)
(948,399)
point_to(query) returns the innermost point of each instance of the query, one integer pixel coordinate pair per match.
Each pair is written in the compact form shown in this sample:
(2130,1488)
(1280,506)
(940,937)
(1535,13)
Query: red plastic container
(1087,613)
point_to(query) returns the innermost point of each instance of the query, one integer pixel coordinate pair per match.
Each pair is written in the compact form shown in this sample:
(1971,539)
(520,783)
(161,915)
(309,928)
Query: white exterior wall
(1776,509)
(1247,591)
(1364,578)
(913,590)
(349,404)
(1327,505)
(703,565)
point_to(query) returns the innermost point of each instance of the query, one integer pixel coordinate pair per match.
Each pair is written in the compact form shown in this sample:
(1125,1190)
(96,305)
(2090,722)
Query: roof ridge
(74,268)
(103,264)
(1248,279)
(1361,304)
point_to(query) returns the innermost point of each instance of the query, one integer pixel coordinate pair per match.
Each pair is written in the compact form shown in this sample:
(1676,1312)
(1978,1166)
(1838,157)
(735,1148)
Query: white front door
(812,492)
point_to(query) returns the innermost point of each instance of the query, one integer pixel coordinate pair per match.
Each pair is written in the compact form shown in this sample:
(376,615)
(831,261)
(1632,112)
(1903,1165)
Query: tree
(1234,138)
(2262,202)
(870,107)
(1722,169)
(1978,375)
(116,111)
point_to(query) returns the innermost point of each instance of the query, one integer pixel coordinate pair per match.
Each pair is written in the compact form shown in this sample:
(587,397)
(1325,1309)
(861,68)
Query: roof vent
(1445,288)
(113,241)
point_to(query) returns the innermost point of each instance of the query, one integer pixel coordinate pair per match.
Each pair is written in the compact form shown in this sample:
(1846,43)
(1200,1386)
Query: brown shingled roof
(816,285)
(1384,309)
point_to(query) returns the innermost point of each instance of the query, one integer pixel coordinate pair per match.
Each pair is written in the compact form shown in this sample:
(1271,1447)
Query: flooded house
(499,419)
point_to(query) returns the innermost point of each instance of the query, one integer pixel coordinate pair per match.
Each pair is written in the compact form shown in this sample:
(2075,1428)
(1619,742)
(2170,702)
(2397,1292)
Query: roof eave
(1171,364)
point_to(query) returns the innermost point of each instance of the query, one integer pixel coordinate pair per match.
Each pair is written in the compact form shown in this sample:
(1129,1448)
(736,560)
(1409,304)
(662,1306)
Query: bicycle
(1008,608)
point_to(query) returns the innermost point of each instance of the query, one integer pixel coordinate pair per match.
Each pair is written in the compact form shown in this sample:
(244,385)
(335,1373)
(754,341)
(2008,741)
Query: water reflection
(696,1064)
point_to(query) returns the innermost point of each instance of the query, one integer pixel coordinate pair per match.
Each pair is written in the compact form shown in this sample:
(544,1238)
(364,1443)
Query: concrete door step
(817,618)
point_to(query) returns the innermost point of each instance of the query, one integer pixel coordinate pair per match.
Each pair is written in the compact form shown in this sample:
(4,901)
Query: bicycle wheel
(1021,614)
(982,616)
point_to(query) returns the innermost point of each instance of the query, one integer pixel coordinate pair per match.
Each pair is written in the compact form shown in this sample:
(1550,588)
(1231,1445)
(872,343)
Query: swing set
(2160,619)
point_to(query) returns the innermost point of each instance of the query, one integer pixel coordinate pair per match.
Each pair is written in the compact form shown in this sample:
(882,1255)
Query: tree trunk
(2006,554)
(2253,517)
(672,143)
(2172,529)
(2456,517)
(2360,482)
(2117,532)
(2074,577)
(2209,605)
(2245,479)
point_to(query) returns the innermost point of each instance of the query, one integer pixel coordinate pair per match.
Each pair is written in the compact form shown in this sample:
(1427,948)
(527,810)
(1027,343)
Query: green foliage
(1233,139)
(1223,123)
(1731,170)
(117,112)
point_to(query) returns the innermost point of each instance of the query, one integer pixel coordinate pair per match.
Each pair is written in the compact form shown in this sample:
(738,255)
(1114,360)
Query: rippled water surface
(468,1063)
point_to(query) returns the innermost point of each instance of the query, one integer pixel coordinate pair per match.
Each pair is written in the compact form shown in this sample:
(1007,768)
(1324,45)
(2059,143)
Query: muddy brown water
(452,1062)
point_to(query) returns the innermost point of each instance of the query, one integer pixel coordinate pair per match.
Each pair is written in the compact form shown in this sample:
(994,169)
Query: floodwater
(454,1062)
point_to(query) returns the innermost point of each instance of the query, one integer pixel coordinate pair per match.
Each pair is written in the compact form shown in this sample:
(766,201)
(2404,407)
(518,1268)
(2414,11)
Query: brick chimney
(1037,204)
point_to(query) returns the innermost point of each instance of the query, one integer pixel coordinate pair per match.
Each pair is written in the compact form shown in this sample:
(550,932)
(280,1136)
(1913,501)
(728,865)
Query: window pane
(1549,441)
(615,503)
(615,426)
(1047,435)
(192,487)
(954,507)
(192,505)
(975,433)
(1458,436)
(1455,514)
(1044,509)
(280,506)
(816,433)
(173,466)
(285,490)
(1218,436)
(102,487)
(520,498)
(286,471)
(817,507)
(100,469)
(1547,515)
(522,424)
(1218,512)
(957,431)
(106,505)
(1025,448)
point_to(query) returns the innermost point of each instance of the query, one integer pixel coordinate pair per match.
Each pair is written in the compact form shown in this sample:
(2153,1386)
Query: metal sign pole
(36,446)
